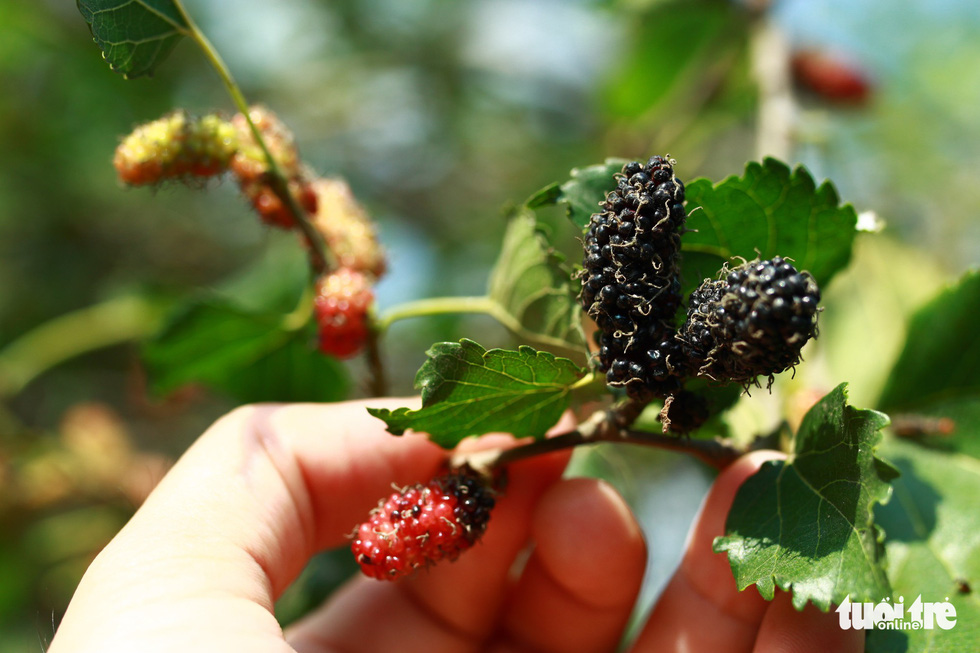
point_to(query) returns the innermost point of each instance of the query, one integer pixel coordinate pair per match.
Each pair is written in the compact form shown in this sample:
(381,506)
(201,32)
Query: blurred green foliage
(439,113)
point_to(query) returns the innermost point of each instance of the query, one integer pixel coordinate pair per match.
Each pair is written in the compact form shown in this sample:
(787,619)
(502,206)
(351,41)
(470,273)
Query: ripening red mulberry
(631,278)
(424,524)
(832,76)
(175,146)
(341,306)
(347,228)
(752,323)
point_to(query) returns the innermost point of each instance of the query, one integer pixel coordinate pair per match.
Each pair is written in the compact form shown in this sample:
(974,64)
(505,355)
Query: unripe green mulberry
(175,146)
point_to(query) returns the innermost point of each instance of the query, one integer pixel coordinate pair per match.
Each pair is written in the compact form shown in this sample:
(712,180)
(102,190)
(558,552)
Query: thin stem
(436,306)
(299,317)
(717,453)
(483,305)
(321,259)
(70,335)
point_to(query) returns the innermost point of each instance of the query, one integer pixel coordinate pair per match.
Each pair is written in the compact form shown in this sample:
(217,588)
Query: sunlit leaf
(932,529)
(135,35)
(532,285)
(806,524)
(583,191)
(941,357)
(468,390)
(768,211)
(248,356)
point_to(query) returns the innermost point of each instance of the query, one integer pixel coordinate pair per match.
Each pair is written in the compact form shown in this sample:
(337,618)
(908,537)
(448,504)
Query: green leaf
(933,541)
(534,289)
(806,523)
(248,356)
(467,390)
(673,46)
(581,194)
(769,211)
(942,352)
(135,35)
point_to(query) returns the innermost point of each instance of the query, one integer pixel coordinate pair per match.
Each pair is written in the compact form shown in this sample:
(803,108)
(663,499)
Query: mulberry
(177,145)
(752,323)
(341,305)
(424,524)
(347,228)
(631,278)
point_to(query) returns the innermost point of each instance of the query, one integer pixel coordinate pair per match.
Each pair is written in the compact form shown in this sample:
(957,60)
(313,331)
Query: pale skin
(199,566)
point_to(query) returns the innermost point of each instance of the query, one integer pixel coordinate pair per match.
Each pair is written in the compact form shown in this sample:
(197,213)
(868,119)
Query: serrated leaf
(248,356)
(806,523)
(533,287)
(769,211)
(135,36)
(583,191)
(933,542)
(942,352)
(468,390)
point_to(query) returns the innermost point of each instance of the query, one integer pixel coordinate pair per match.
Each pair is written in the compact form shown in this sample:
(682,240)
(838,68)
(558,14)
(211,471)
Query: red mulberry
(341,306)
(423,524)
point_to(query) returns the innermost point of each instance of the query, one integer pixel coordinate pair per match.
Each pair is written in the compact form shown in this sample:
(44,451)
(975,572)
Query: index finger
(243,509)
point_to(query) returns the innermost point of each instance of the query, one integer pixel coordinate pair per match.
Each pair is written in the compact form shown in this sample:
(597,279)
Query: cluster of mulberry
(752,323)
(631,284)
(176,146)
(424,524)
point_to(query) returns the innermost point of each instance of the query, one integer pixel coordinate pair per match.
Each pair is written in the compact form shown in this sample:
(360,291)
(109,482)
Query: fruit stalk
(320,258)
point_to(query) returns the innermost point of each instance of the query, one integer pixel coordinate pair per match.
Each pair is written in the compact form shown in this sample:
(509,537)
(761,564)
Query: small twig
(716,453)
(321,260)
(119,320)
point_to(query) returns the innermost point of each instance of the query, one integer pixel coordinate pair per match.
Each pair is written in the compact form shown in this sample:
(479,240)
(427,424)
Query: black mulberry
(752,323)
(631,284)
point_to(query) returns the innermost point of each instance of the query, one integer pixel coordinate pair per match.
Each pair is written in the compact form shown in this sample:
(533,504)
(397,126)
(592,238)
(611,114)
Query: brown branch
(717,453)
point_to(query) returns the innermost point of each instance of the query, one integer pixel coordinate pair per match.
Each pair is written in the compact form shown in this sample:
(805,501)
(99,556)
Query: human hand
(199,566)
